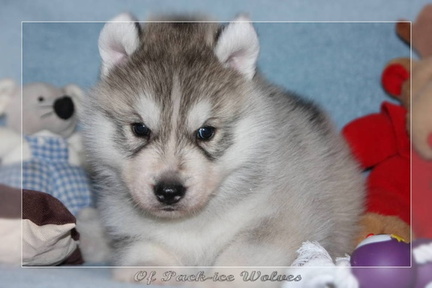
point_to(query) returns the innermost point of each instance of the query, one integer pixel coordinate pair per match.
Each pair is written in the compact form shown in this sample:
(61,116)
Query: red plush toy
(380,142)
(411,83)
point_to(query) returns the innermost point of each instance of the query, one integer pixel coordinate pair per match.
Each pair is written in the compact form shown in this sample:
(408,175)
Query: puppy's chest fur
(196,241)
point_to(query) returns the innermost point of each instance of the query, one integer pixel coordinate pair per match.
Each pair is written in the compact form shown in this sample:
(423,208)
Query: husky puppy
(202,162)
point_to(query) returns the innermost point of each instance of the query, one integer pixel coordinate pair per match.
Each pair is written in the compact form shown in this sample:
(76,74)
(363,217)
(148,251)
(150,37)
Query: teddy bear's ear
(403,30)
(74,91)
(8,89)
(421,30)
(394,76)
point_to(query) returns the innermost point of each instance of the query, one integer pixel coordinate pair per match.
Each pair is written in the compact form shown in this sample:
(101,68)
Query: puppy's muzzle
(169,192)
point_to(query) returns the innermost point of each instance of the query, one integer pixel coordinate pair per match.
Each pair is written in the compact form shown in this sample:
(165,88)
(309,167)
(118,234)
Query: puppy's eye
(140,130)
(205,133)
(41,98)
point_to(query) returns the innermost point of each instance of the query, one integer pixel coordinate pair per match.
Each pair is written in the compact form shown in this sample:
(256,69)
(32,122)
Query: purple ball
(387,251)
(424,271)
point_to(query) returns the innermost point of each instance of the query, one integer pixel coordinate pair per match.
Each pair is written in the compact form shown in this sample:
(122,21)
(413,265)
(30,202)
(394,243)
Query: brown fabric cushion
(42,208)
(49,236)
(10,202)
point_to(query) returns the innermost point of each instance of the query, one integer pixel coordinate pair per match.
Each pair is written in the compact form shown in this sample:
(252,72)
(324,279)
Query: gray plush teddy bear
(51,151)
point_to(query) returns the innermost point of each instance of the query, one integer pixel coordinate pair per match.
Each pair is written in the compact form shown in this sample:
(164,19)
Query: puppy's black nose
(64,107)
(169,192)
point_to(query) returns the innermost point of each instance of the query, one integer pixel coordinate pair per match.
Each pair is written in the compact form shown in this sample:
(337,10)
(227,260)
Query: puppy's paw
(93,242)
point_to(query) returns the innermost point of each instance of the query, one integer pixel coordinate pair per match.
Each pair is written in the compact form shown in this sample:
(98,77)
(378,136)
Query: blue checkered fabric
(49,171)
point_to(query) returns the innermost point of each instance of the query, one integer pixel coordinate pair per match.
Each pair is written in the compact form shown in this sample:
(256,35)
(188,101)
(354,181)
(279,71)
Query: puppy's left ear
(118,40)
(238,46)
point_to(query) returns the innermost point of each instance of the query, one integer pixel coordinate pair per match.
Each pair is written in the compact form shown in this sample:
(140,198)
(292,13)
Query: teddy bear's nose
(64,107)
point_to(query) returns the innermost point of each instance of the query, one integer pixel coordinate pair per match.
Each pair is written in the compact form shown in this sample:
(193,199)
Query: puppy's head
(170,114)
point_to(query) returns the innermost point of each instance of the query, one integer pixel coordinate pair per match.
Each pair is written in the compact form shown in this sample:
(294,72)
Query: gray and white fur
(272,174)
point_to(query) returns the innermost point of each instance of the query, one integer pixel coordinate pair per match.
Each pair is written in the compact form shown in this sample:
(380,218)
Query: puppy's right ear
(118,40)
(238,47)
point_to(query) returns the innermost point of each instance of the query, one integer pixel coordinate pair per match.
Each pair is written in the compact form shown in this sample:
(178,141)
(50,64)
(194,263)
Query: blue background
(336,64)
